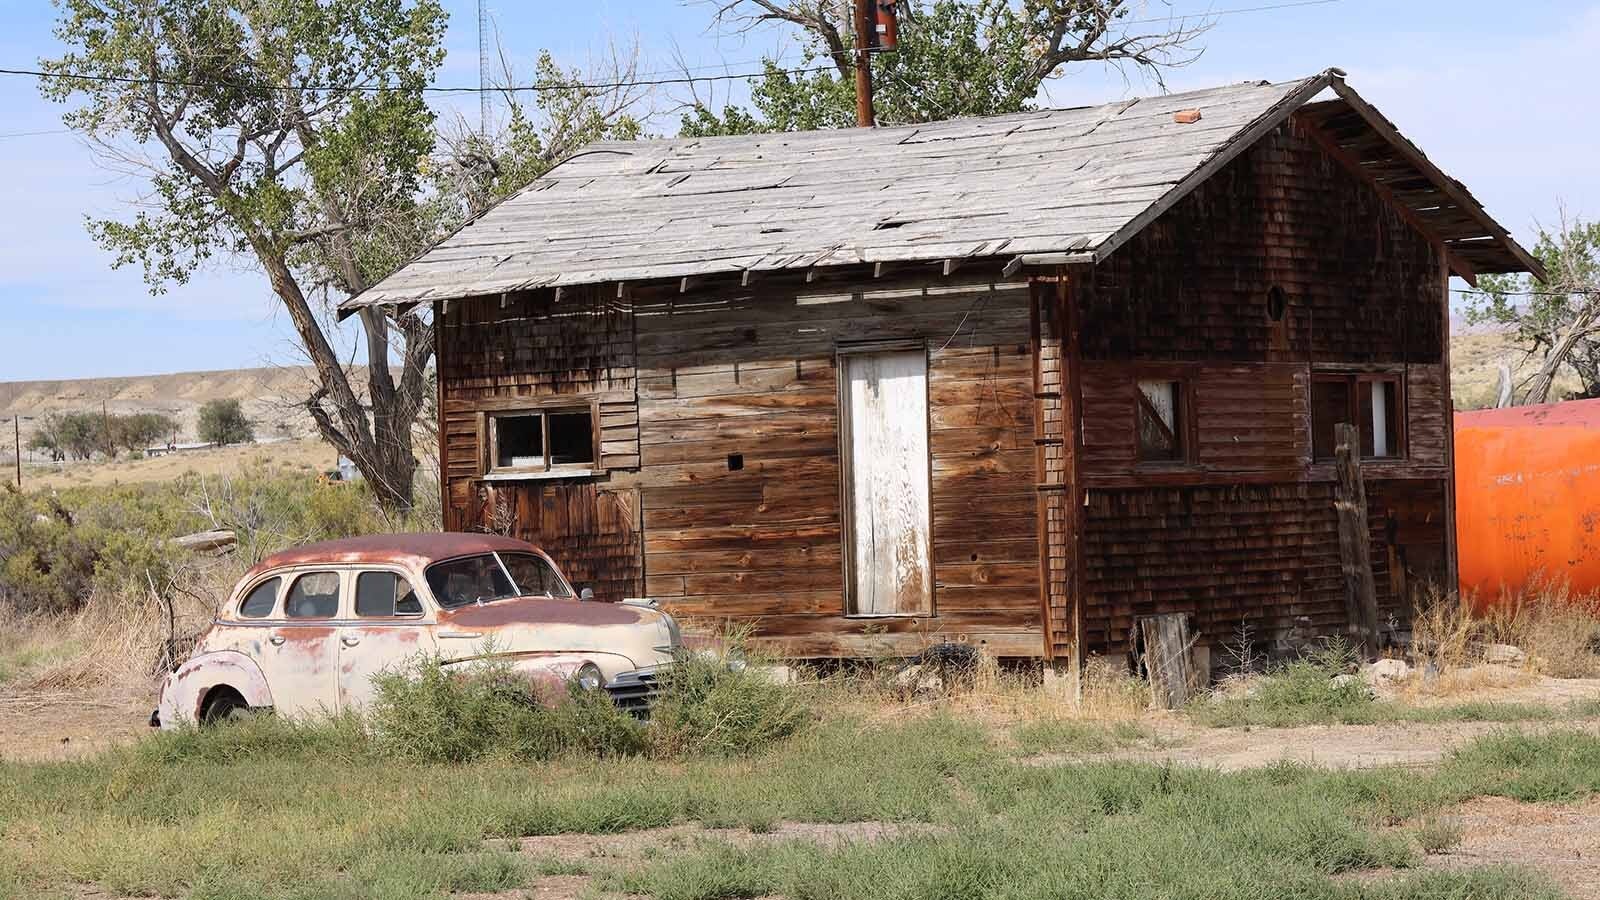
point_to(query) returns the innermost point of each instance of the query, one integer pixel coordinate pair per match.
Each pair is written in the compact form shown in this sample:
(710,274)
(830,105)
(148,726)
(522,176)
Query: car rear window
(534,576)
(314,595)
(262,598)
(385,594)
(471,579)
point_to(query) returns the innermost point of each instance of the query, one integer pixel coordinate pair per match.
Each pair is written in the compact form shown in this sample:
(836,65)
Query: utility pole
(865,25)
(483,68)
(16,436)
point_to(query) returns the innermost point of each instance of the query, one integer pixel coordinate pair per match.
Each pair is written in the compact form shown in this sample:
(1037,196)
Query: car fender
(187,688)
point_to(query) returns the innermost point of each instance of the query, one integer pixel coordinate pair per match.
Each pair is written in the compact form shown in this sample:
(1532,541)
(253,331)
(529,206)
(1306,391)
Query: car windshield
(483,579)
(472,579)
(534,576)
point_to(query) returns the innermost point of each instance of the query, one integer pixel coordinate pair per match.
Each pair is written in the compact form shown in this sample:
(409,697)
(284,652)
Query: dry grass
(1453,638)
(116,640)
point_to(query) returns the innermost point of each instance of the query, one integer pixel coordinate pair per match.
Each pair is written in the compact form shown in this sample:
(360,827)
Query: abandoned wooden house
(1016,381)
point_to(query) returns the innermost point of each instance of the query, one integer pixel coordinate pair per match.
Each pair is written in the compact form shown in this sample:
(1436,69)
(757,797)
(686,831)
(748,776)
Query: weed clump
(1438,835)
(428,713)
(1318,687)
(707,707)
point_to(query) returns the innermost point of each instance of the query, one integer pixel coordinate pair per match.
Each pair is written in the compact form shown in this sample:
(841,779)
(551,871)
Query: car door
(301,656)
(385,633)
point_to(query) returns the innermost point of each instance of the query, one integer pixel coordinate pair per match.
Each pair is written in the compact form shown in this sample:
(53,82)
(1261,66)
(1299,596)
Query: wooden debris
(1167,645)
(215,542)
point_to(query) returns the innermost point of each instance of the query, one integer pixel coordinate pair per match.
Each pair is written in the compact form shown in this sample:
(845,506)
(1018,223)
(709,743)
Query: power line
(429,89)
(18,134)
(1529,293)
(685,78)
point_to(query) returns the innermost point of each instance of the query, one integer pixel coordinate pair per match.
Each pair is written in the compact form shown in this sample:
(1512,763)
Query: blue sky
(1501,97)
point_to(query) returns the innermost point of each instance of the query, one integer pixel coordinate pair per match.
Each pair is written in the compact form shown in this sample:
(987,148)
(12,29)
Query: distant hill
(272,397)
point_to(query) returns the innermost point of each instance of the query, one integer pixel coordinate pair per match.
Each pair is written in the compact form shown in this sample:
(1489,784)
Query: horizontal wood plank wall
(1244,534)
(752,374)
(527,350)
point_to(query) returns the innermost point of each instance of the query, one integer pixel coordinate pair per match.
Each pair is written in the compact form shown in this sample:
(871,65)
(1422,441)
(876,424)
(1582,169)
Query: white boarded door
(886,434)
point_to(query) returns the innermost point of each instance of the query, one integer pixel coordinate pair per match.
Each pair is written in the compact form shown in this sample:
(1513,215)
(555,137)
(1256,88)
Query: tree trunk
(1539,387)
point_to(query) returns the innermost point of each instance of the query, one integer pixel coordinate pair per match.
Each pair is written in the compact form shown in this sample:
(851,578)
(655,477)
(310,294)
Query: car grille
(634,692)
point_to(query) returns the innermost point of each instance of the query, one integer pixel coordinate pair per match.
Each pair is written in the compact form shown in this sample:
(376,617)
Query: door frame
(842,350)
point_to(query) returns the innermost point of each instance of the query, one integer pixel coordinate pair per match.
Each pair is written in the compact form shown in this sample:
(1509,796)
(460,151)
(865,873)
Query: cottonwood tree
(955,58)
(1558,320)
(295,134)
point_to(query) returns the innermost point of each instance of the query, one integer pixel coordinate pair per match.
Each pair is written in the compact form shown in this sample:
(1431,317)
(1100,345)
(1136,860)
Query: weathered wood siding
(1244,534)
(525,351)
(753,373)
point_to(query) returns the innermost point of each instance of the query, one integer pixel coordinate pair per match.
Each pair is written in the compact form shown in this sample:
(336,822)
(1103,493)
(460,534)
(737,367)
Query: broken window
(542,441)
(1162,421)
(258,604)
(314,595)
(385,595)
(1371,402)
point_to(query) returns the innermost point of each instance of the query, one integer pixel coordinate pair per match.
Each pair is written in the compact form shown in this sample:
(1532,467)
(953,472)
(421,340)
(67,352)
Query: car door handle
(349,640)
(277,640)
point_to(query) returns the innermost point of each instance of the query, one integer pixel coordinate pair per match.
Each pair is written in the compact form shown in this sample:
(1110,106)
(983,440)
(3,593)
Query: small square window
(314,595)
(1162,418)
(538,441)
(1372,403)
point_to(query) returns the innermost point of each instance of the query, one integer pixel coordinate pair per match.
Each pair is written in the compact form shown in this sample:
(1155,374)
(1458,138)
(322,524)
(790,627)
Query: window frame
(1187,430)
(1356,382)
(489,441)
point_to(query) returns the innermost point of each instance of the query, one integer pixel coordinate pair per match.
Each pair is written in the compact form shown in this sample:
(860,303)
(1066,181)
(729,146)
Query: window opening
(314,595)
(384,595)
(1161,421)
(258,604)
(1371,403)
(542,441)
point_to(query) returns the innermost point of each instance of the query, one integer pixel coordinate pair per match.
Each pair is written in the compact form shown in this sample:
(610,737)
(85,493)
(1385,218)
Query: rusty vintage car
(305,631)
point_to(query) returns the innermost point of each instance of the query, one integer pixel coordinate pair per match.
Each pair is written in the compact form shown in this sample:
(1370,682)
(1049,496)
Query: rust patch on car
(296,634)
(540,611)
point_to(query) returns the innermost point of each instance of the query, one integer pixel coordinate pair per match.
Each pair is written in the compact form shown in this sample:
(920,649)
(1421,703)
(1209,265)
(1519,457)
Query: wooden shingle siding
(1244,534)
(526,351)
(754,373)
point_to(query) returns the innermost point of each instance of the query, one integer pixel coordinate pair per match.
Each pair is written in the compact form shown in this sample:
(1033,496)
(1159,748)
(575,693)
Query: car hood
(526,625)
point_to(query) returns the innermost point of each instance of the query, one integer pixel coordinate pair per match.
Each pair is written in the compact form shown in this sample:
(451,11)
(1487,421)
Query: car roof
(412,549)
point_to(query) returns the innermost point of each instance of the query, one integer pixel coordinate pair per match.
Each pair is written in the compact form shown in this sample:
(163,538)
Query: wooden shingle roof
(1050,186)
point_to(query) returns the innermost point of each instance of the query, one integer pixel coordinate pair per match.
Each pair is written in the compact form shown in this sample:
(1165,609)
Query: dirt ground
(307,454)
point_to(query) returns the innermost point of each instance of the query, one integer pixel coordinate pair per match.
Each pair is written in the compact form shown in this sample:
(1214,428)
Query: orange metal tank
(1528,497)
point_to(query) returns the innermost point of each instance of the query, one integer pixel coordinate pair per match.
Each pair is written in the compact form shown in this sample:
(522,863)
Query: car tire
(224,705)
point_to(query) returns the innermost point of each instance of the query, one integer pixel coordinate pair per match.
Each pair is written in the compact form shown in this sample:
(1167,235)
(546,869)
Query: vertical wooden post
(1355,542)
(16,435)
(865,116)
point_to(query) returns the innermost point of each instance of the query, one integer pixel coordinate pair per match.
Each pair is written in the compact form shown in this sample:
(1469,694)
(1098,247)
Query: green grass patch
(268,809)
(1076,736)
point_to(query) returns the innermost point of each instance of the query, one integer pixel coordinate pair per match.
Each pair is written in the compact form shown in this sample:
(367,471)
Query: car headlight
(736,660)
(589,677)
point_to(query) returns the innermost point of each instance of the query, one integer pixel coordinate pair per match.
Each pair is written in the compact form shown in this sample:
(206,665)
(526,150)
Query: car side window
(314,595)
(262,598)
(534,576)
(384,595)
